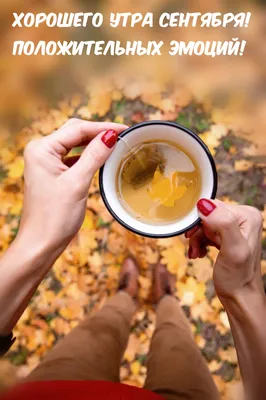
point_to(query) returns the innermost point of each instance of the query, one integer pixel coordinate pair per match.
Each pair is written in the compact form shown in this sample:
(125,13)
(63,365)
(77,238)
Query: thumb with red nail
(235,231)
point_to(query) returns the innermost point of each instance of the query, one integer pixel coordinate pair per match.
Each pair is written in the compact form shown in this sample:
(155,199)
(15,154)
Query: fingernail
(110,138)
(206,207)
(190,252)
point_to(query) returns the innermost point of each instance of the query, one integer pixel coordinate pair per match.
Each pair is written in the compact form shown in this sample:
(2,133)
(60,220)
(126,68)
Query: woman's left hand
(56,188)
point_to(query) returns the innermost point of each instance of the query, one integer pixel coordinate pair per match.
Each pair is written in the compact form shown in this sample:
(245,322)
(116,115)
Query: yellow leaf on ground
(100,103)
(132,90)
(60,326)
(213,137)
(6,155)
(173,257)
(116,244)
(201,342)
(214,365)
(84,112)
(224,319)
(88,222)
(190,292)
(71,310)
(201,268)
(135,368)
(117,95)
(16,168)
(216,304)
(203,310)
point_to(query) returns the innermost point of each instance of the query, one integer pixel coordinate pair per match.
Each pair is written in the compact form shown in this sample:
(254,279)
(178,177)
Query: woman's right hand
(236,231)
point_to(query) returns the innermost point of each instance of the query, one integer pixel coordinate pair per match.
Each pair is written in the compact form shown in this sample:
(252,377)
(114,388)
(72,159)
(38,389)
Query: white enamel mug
(157,130)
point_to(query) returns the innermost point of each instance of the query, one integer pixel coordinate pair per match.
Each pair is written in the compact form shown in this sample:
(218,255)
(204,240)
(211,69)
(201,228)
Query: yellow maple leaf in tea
(166,190)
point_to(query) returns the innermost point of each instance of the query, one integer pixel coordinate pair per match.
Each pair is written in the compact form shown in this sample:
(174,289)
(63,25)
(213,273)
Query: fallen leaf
(135,368)
(190,291)
(243,165)
(224,319)
(172,257)
(84,112)
(201,269)
(16,168)
(228,355)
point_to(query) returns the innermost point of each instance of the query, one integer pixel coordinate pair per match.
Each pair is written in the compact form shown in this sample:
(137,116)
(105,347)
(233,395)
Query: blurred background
(222,99)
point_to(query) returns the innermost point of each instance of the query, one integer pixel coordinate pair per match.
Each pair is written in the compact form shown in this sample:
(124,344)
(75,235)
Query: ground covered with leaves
(86,274)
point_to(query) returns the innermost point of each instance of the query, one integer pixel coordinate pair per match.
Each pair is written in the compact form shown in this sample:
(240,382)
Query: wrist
(247,303)
(38,255)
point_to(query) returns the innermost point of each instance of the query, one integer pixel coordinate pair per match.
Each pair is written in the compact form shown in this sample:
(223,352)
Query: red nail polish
(190,252)
(206,207)
(110,138)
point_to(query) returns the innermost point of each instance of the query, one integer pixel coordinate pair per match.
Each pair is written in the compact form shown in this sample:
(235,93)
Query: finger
(191,232)
(71,121)
(219,219)
(196,242)
(94,156)
(70,161)
(72,134)
(203,252)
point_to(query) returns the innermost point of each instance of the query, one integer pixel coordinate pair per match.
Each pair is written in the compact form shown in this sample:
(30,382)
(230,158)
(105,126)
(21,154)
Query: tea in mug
(158,182)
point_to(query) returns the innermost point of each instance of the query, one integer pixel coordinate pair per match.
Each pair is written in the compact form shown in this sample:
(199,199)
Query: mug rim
(212,164)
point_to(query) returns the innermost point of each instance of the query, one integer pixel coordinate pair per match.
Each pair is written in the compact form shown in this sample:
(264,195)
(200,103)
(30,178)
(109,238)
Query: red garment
(78,390)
